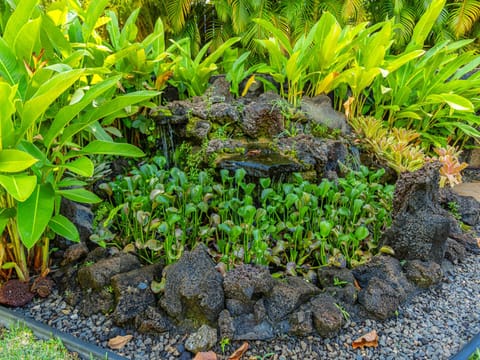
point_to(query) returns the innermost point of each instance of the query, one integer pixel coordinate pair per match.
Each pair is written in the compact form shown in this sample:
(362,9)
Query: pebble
(434,324)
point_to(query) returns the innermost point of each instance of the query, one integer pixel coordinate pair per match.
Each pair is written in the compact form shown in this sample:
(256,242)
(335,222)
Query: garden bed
(434,324)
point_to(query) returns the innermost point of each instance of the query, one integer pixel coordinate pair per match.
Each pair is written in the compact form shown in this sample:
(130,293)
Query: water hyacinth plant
(292,227)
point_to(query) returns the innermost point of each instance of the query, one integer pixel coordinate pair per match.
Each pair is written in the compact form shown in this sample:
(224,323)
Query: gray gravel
(434,324)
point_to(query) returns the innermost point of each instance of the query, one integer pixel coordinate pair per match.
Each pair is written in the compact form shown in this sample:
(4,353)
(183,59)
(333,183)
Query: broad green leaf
(277,33)
(7,109)
(80,195)
(67,113)
(70,182)
(12,161)
(5,215)
(34,214)
(424,25)
(20,17)
(110,107)
(9,67)
(92,16)
(47,93)
(112,148)
(130,30)
(27,40)
(456,102)
(64,227)
(82,166)
(20,187)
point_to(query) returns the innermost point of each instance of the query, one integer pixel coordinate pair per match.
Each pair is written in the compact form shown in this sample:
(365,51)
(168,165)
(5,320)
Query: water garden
(241,179)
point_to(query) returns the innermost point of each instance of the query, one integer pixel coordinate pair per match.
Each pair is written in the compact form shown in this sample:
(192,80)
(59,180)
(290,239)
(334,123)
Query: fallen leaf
(478,242)
(356,284)
(118,342)
(368,340)
(209,355)
(237,355)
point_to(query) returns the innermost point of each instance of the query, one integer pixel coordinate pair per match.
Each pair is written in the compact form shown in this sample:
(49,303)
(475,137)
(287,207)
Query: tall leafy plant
(39,159)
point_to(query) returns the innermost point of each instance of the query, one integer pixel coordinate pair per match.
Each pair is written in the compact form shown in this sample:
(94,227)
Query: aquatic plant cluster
(292,227)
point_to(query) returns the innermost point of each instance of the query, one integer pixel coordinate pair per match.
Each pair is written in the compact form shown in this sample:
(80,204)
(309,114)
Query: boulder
(455,251)
(467,207)
(193,289)
(380,299)
(423,273)
(420,226)
(132,292)
(301,323)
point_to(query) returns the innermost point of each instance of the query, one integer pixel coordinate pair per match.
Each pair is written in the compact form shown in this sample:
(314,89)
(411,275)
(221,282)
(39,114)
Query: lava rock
(420,225)
(80,215)
(247,282)
(319,110)
(454,251)
(74,253)
(15,293)
(287,296)
(300,321)
(225,325)
(262,118)
(193,289)
(383,286)
(202,340)
(132,292)
(152,320)
(98,275)
(423,273)
(327,317)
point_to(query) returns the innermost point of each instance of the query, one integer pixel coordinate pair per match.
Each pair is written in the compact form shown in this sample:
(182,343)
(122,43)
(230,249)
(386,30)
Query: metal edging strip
(42,331)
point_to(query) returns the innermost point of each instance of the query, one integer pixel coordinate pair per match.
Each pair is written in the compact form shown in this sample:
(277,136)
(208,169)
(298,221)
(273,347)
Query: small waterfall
(166,140)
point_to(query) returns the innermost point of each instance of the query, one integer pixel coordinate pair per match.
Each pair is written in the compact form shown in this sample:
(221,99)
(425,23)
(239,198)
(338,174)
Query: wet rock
(152,320)
(15,293)
(132,292)
(287,296)
(98,275)
(423,273)
(321,155)
(319,110)
(327,318)
(261,164)
(197,130)
(262,117)
(202,340)
(383,286)
(420,225)
(193,289)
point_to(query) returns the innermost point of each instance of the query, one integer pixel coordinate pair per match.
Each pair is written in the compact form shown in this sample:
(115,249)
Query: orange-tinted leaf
(368,340)
(356,284)
(118,342)
(237,355)
(209,355)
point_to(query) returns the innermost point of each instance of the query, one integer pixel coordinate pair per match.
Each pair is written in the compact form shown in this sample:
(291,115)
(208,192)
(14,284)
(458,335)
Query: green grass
(19,343)
(475,355)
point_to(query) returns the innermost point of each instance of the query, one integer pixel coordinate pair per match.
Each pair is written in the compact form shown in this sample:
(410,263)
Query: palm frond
(177,12)
(463,16)
(353,11)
